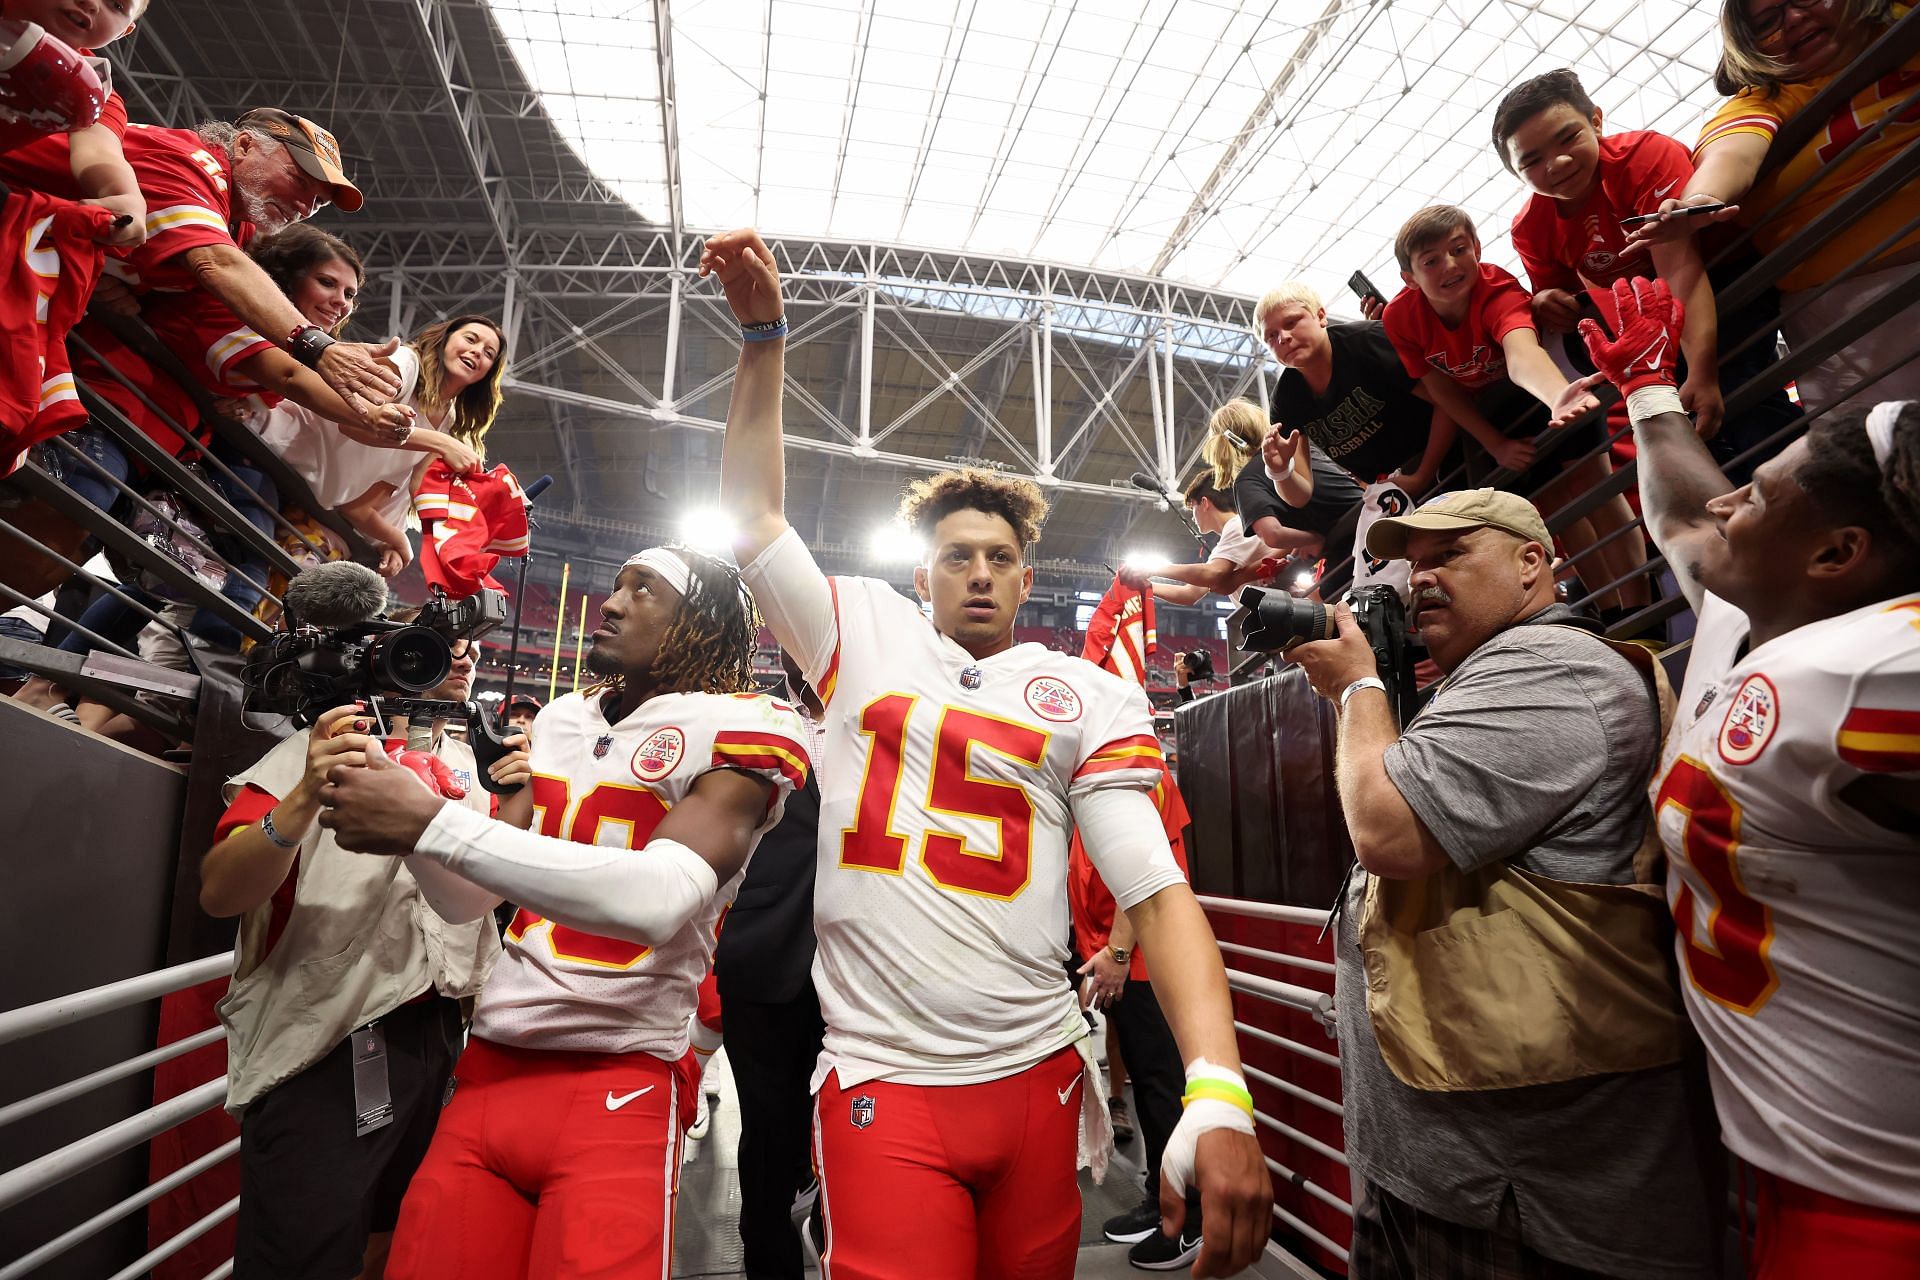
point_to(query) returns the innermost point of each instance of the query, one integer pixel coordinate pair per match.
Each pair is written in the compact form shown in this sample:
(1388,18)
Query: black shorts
(310,1191)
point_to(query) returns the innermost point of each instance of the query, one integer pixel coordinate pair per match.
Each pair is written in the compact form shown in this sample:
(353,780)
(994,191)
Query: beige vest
(361,941)
(1497,978)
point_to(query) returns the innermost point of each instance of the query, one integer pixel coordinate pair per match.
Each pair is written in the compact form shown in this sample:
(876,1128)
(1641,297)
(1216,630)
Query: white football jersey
(610,784)
(1796,913)
(940,901)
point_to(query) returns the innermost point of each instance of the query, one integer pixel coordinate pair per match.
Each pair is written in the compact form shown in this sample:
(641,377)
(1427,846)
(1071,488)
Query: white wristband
(1365,682)
(1651,402)
(1200,1115)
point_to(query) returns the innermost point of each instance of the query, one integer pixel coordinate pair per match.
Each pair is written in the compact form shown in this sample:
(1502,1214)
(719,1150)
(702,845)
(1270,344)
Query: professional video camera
(335,649)
(1269,620)
(1199,664)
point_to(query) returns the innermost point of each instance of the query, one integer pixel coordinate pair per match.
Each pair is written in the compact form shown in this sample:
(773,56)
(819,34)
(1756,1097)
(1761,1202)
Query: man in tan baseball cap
(313,149)
(1465,509)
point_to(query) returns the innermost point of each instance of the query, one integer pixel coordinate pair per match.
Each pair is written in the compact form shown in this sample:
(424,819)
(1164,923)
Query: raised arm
(752,466)
(1677,475)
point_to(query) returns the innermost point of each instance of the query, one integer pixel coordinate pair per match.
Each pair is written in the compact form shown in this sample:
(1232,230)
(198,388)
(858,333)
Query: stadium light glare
(1142,558)
(707,529)
(893,543)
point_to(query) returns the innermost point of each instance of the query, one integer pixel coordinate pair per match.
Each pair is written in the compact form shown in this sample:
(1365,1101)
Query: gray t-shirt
(1537,750)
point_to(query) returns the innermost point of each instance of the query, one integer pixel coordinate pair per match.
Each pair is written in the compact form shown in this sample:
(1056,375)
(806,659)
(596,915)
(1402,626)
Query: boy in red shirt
(1568,234)
(1466,330)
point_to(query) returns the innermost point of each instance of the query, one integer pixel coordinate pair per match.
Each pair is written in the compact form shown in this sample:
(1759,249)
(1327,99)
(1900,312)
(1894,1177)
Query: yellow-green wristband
(1220,1090)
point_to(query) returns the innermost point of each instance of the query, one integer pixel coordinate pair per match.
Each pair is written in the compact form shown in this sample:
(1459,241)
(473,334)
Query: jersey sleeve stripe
(231,347)
(1764,126)
(1881,741)
(184,215)
(1137,752)
(831,676)
(762,751)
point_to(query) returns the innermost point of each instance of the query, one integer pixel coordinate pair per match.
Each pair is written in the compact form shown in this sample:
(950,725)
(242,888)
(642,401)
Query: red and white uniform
(559,988)
(562,1140)
(43,292)
(1470,352)
(1795,911)
(187,185)
(1576,246)
(948,789)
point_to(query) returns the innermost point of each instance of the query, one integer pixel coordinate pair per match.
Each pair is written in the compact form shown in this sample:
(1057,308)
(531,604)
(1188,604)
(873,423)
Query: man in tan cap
(1510,1045)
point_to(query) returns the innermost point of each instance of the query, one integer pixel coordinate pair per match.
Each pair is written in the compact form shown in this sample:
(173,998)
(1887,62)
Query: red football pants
(951,1182)
(548,1166)
(1803,1234)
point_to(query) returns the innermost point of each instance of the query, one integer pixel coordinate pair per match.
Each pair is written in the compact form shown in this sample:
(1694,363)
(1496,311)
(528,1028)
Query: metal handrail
(32,1019)
(1276,957)
(185,1237)
(1293,1090)
(1308,1052)
(1305,999)
(1306,1140)
(29,1179)
(27,1264)
(83,1085)
(1314,916)
(1309,1186)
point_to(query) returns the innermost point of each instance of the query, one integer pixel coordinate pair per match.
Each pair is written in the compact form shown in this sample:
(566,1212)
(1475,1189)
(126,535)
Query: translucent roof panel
(1231,145)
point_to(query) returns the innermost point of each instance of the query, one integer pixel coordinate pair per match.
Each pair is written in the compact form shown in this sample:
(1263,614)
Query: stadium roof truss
(1100,191)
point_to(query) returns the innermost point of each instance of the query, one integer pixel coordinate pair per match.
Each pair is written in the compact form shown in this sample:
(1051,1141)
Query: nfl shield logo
(603,745)
(862,1111)
(971,678)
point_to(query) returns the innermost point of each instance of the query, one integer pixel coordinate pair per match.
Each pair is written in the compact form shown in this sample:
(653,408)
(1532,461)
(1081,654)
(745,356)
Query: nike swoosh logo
(1068,1091)
(1660,193)
(1653,354)
(614,1104)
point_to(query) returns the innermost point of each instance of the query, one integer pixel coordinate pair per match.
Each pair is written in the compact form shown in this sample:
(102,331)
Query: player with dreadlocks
(564,1129)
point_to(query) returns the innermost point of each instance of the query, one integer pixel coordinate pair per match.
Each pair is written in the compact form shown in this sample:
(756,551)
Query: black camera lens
(410,660)
(1269,620)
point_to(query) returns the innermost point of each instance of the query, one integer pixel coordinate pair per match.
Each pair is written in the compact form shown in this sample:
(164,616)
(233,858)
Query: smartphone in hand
(1364,287)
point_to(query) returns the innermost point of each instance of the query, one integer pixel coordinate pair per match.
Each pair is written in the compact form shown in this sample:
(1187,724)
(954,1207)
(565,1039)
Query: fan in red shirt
(1568,234)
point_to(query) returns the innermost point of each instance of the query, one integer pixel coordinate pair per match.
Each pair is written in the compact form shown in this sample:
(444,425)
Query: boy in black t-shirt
(1344,389)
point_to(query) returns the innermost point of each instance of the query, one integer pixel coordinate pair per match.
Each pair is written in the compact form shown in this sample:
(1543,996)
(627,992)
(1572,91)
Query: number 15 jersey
(946,792)
(1794,910)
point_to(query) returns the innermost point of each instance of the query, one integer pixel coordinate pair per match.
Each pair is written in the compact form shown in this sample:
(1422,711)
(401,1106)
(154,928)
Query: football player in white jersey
(955,1077)
(1789,802)
(558,1153)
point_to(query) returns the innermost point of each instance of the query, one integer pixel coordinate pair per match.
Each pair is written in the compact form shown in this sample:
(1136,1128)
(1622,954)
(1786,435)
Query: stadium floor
(706,1244)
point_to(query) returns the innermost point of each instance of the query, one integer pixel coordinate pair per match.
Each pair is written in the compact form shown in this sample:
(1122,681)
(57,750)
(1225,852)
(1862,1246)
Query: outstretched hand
(381,807)
(1279,448)
(1647,350)
(747,272)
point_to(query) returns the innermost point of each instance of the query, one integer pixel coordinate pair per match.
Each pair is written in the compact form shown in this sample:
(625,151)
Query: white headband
(1880,422)
(673,570)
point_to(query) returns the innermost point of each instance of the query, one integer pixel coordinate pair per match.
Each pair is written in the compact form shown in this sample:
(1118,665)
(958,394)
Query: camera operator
(343,1018)
(1188,667)
(1518,1084)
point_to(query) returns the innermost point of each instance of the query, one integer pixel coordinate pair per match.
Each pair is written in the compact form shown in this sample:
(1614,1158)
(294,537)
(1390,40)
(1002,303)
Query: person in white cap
(559,1151)
(1789,801)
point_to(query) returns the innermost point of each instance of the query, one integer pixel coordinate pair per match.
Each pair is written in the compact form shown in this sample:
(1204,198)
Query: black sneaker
(1136,1224)
(1167,1253)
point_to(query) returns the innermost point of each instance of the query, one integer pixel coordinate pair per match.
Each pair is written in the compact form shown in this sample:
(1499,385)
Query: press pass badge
(372,1098)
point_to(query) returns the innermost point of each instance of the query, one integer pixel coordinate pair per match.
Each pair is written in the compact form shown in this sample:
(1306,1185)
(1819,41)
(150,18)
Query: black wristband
(307,342)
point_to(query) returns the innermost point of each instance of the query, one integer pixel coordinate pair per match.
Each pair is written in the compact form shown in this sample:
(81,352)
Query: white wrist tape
(644,898)
(1200,1115)
(1651,402)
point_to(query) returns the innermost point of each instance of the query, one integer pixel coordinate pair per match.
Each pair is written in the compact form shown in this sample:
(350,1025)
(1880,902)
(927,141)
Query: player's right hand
(339,737)
(747,272)
(1648,319)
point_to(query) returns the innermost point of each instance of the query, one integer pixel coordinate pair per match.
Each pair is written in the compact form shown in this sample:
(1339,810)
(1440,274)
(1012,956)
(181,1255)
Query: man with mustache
(1517,1100)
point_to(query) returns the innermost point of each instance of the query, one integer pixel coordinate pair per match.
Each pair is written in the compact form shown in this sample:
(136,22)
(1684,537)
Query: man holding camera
(343,1018)
(1518,1091)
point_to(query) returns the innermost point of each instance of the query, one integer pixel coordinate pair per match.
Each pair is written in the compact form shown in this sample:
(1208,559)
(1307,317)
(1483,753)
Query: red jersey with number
(1469,352)
(54,264)
(1795,910)
(947,787)
(1577,244)
(186,183)
(610,784)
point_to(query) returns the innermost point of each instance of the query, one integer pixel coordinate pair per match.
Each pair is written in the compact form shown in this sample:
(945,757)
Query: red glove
(1647,317)
(429,768)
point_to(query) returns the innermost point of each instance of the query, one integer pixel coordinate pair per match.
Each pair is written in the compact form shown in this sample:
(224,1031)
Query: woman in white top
(366,472)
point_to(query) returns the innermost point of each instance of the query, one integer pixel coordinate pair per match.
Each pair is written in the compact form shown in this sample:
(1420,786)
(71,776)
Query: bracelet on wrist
(1365,682)
(764,330)
(273,836)
(307,342)
(1220,1091)
(1120,954)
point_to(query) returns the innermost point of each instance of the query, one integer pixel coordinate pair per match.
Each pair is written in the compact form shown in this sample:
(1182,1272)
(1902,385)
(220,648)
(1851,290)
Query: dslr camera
(1270,620)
